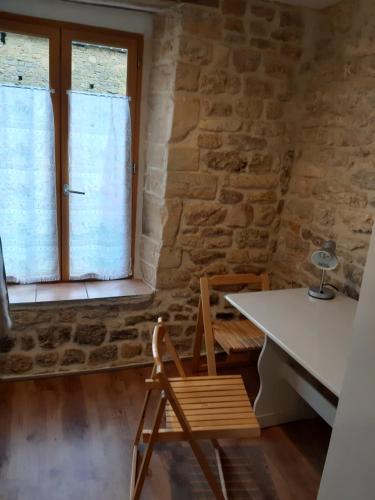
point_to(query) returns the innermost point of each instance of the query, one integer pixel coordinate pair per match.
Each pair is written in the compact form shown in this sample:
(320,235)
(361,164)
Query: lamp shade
(325,258)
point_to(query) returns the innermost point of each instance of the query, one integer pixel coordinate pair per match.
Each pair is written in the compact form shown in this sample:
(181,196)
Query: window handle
(68,191)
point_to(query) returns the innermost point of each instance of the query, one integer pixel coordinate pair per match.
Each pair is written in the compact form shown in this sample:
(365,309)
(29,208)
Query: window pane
(24,60)
(28,226)
(99,165)
(99,68)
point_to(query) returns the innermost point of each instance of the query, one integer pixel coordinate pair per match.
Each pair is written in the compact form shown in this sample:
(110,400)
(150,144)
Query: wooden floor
(69,438)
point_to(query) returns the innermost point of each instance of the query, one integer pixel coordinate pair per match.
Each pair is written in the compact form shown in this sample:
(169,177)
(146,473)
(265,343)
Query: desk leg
(276,402)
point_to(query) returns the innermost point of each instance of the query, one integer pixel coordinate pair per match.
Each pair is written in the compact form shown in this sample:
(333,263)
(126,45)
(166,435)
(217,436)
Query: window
(69,118)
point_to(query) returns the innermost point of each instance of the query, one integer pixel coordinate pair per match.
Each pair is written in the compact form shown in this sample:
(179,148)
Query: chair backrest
(262,280)
(161,343)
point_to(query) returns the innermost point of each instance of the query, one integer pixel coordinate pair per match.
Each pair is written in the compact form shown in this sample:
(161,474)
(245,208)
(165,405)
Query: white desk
(307,344)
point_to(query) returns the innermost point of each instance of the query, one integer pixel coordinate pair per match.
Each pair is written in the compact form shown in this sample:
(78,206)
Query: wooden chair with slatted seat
(190,408)
(236,337)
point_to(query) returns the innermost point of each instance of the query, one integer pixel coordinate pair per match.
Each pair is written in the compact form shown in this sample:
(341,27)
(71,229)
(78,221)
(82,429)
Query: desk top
(316,333)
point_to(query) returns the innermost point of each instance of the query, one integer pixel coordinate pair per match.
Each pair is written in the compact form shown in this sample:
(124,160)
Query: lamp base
(324,294)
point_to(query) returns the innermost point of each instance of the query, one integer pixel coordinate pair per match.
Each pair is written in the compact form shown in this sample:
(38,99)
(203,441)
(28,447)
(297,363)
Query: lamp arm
(322,281)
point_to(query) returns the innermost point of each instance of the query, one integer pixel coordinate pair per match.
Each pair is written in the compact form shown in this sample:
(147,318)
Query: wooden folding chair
(236,338)
(193,408)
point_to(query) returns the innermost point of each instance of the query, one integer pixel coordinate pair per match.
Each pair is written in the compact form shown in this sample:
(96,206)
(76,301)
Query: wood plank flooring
(69,438)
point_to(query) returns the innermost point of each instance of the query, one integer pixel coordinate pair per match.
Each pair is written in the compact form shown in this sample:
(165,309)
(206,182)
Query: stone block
(191,185)
(262,197)
(238,256)
(229,161)
(221,56)
(246,60)
(123,334)
(162,78)
(53,336)
(263,11)
(290,34)
(17,364)
(204,214)
(259,28)
(170,258)
(204,256)
(230,197)
(340,194)
(73,357)
(7,343)
(152,216)
(220,125)
(150,250)
(264,216)
(260,163)
(210,141)
(234,7)
(274,110)
(274,68)
(245,142)
(217,107)
(253,181)
(291,18)
(251,238)
(176,278)
(103,354)
(249,108)
(195,50)
(187,77)
(234,24)
(131,350)
(258,88)
(90,334)
(27,342)
(183,159)
(160,111)
(292,52)
(46,360)
(155,181)
(365,179)
(171,221)
(219,82)
(203,23)
(240,215)
(185,117)
(263,44)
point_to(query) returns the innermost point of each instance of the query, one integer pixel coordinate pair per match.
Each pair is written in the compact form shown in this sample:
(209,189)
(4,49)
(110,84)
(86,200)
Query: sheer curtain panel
(28,223)
(99,166)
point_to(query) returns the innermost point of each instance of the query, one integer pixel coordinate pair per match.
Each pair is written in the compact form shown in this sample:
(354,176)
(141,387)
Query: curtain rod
(149,9)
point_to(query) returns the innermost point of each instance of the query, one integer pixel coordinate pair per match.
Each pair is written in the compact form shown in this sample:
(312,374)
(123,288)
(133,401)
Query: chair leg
(139,478)
(217,450)
(198,340)
(199,455)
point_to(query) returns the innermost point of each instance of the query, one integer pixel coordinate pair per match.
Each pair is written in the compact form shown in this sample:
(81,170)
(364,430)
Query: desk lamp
(326,260)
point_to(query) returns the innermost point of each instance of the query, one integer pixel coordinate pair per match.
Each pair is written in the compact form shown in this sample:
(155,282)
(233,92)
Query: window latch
(68,191)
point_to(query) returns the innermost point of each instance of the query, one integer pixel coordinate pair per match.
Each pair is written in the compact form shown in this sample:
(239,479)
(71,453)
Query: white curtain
(100,166)
(28,226)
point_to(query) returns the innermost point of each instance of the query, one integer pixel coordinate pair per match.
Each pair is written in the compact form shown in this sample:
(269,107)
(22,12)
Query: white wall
(106,17)
(349,472)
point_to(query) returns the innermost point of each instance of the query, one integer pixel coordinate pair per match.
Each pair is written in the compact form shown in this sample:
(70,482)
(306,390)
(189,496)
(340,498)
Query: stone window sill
(47,293)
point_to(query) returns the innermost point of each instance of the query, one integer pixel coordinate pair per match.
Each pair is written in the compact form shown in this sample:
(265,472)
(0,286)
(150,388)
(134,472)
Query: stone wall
(217,174)
(332,187)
